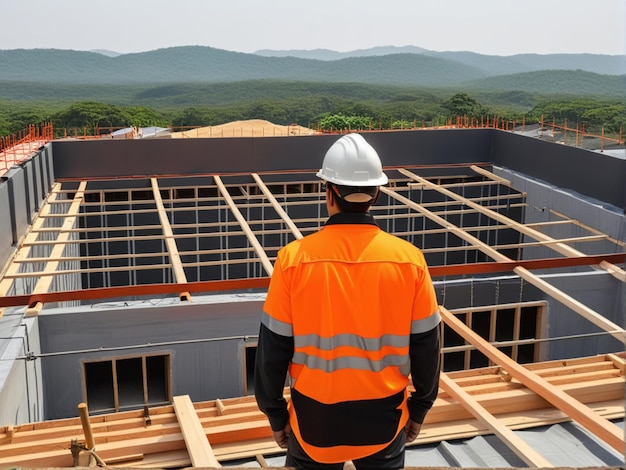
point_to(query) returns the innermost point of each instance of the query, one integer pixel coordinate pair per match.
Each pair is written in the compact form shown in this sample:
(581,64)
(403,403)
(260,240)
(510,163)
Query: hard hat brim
(380,181)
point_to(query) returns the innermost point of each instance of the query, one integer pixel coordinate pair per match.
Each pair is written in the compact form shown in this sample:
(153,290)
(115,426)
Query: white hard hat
(351,161)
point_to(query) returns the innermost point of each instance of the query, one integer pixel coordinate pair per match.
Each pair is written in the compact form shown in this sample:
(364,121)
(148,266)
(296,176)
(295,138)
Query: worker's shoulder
(399,245)
(292,247)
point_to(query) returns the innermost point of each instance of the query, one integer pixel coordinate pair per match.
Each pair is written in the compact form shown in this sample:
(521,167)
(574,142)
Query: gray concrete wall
(600,292)
(204,340)
(22,191)
(6,228)
(21,386)
(542,196)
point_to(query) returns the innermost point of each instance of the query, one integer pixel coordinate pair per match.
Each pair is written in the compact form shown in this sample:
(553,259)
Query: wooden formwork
(470,403)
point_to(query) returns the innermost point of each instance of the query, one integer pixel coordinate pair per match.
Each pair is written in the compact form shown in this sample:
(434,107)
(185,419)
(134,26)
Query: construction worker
(350,312)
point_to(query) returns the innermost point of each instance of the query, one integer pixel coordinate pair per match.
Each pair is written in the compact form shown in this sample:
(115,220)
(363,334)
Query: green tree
(340,122)
(21,118)
(402,124)
(592,113)
(192,117)
(141,116)
(90,115)
(5,125)
(462,104)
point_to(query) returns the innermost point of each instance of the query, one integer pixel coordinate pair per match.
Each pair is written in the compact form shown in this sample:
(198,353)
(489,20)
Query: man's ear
(376,197)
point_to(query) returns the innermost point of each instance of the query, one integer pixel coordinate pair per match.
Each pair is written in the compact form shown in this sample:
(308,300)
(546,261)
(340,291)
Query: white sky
(496,27)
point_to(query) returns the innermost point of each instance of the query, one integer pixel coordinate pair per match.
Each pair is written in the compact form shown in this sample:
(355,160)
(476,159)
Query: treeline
(397,110)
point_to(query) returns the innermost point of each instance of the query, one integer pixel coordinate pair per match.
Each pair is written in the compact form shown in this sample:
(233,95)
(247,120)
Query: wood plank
(244,432)
(198,446)
(559,295)
(618,361)
(605,430)
(168,234)
(555,244)
(586,312)
(277,207)
(23,252)
(517,445)
(267,264)
(45,282)
(490,175)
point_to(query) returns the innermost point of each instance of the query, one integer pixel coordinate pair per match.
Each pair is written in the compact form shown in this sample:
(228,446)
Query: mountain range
(490,64)
(398,66)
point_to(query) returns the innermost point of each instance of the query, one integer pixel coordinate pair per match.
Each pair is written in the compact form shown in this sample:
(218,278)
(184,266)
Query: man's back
(349,313)
(353,294)
(354,278)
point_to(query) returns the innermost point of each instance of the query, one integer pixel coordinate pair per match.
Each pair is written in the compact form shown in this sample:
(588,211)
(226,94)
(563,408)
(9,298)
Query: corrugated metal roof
(564,445)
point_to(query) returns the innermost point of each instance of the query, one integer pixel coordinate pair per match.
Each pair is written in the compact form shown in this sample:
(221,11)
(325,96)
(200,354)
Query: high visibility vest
(350,295)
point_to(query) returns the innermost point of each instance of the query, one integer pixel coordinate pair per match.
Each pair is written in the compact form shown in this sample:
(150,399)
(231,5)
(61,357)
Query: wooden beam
(265,261)
(555,244)
(22,251)
(586,312)
(490,175)
(170,241)
(244,432)
(602,428)
(524,273)
(277,207)
(517,445)
(198,446)
(87,431)
(44,282)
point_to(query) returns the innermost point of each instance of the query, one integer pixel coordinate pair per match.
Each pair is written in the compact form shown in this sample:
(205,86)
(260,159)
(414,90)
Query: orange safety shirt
(350,296)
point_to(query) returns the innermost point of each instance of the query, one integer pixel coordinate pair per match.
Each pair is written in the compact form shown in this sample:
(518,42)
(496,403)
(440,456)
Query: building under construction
(134,274)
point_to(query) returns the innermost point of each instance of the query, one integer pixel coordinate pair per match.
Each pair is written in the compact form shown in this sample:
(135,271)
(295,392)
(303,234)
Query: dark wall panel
(18,203)
(592,174)
(114,158)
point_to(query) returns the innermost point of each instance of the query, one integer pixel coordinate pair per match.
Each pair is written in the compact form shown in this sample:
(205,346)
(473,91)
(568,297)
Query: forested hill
(551,82)
(406,66)
(208,65)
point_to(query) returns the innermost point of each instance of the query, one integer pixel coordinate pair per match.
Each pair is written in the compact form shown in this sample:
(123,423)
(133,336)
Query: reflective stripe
(349,362)
(426,324)
(277,326)
(346,339)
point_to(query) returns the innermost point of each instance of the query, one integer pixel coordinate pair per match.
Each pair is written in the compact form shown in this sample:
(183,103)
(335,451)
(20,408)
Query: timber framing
(494,400)
(194,233)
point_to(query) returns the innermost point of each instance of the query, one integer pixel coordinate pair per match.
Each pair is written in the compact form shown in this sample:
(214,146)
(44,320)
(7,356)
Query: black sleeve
(425,363)
(273,354)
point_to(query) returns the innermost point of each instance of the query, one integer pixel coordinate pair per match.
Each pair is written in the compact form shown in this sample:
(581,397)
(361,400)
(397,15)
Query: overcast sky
(496,27)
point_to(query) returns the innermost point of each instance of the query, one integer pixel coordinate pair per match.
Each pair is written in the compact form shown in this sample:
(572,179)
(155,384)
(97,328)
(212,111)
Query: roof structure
(482,403)
(170,258)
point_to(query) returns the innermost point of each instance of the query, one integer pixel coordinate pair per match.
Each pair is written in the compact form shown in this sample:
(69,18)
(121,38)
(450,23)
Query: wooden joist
(170,242)
(260,251)
(524,273)
(277,207)
(235,428)
(198,446)
(602,428)
(517,445)
(555,244)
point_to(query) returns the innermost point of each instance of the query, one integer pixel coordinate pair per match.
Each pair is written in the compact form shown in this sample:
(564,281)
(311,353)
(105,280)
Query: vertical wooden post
(84,419)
